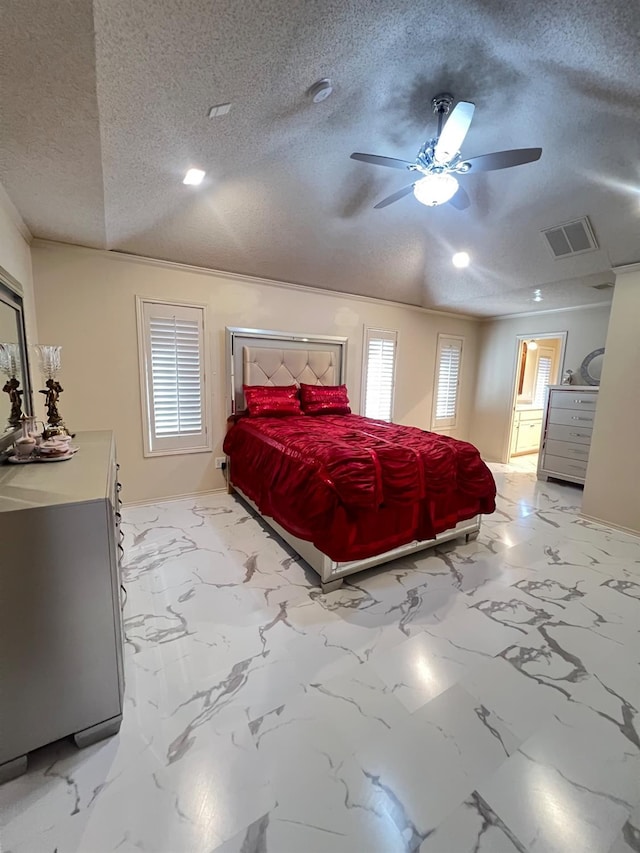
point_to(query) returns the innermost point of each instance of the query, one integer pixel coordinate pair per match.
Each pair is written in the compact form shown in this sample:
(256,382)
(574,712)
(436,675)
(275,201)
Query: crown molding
(546,311)
(14,215)
(635,267)
(249,279)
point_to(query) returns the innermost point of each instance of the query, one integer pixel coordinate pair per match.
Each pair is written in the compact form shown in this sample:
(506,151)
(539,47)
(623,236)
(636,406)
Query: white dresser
(567,425)
(61,639)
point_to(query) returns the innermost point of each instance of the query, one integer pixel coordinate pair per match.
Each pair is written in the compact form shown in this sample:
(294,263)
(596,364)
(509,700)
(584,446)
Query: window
(172,360)
(447,382)
(379,373)
(543,378)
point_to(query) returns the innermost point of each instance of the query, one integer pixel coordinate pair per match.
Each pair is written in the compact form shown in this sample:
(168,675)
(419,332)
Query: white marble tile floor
(479,698)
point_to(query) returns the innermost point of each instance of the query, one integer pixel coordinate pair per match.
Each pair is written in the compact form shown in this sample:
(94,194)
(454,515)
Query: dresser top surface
(573,387)
(84,477)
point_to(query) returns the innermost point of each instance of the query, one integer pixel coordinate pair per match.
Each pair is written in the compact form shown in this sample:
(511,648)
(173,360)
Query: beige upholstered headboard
(265,357)
(262,366)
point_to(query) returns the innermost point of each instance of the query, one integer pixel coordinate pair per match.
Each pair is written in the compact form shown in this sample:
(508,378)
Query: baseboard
(186,496)
(602,521)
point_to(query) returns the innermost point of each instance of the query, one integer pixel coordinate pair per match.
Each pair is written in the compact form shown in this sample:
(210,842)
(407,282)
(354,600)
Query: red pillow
(324,399)
(272,400)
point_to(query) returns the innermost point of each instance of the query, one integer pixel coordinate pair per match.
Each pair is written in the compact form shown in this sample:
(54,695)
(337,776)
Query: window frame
(373,333)
(172,445)
(449,423)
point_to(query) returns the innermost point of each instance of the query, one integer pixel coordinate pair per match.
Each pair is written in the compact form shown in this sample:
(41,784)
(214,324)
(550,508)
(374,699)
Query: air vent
(606,285)
(571,238)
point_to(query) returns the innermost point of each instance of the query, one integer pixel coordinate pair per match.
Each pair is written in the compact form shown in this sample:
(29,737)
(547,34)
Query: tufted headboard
(262,366)
(260,357)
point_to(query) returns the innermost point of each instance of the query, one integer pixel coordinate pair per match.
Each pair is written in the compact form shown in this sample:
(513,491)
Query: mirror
(12,332)
(591,367)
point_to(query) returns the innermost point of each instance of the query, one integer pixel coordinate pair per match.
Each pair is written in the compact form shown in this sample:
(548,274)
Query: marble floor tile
(414,673)
(569,787)
(473,828)
(483,696)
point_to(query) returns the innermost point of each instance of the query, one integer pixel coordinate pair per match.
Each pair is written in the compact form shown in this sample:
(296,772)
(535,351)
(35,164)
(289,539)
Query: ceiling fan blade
(391,162)
(395,197)
(503,159)
(460,199)
(454,132)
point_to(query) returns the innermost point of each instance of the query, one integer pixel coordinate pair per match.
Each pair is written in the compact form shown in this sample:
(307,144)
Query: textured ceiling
(104,107)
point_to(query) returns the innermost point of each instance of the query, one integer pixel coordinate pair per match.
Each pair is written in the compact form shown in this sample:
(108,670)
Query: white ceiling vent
(571,238)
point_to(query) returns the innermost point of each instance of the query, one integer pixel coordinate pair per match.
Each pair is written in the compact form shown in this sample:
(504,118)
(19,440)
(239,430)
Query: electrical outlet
(220,461)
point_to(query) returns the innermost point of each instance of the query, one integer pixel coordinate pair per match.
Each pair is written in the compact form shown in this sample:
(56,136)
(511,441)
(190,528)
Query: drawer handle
(591,402)
(580,434)
(577,418)
(569,465)
(573,450)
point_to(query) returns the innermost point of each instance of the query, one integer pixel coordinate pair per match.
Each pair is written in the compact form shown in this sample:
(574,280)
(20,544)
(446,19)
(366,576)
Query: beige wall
(86,302)
(498,347)
(612,488)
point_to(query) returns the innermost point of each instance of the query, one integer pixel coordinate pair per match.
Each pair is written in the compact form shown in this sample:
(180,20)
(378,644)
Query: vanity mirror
(14,372)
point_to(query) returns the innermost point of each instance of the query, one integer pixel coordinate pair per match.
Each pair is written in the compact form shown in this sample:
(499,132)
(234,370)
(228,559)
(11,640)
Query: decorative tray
(35,457)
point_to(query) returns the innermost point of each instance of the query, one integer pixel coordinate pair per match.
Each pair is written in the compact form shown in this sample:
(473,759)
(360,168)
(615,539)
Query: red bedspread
(356,487)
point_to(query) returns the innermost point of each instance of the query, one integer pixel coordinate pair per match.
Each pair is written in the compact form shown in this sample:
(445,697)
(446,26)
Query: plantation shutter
(175,380)
(543,378)
(379,373)
(447,381)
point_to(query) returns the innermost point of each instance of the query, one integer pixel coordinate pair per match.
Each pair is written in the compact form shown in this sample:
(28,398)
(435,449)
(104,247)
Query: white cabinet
(567,427)
(61,638)
(527,427)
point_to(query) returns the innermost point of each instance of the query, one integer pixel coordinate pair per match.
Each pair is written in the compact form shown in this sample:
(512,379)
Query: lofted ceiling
(104,107)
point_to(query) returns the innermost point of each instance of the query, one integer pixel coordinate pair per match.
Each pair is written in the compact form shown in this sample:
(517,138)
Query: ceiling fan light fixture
(435,189)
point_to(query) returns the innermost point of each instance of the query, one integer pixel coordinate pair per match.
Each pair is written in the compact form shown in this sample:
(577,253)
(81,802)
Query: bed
(345,492)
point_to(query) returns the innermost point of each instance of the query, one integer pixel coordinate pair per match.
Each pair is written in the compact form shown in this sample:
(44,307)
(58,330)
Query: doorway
(539,360)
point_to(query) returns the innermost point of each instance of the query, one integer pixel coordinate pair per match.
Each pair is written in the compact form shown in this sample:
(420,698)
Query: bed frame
(261,357)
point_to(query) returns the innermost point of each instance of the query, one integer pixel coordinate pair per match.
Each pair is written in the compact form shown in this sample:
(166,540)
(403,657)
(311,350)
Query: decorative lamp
(49,363)
(10,366)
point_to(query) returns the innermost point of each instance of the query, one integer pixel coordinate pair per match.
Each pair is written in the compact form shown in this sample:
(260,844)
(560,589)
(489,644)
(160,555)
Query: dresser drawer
(566,449)
(558,465)
(580,401)
(571,418)
(574,434)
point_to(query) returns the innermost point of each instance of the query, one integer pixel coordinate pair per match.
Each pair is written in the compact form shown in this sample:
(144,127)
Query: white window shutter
(173,346)
(447,382)
(379,373)
(543,378)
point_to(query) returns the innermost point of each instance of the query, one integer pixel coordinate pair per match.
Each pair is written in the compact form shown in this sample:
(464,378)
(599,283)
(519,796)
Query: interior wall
(86,303)
(498,349)
(612,487)
(15,259)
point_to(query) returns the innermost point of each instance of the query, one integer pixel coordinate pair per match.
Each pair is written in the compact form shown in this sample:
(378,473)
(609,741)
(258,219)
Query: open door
(538,364)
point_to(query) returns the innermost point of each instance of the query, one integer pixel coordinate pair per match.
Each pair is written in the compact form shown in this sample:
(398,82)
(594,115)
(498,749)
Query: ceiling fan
(439,161)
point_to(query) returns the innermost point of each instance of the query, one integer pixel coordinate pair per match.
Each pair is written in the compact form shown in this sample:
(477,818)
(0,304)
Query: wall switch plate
(220,461)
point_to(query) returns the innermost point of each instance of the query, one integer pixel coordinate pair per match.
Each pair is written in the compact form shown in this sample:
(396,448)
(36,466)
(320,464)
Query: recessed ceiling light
(194,177)
(320,91)
(461,259)
(219,110)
